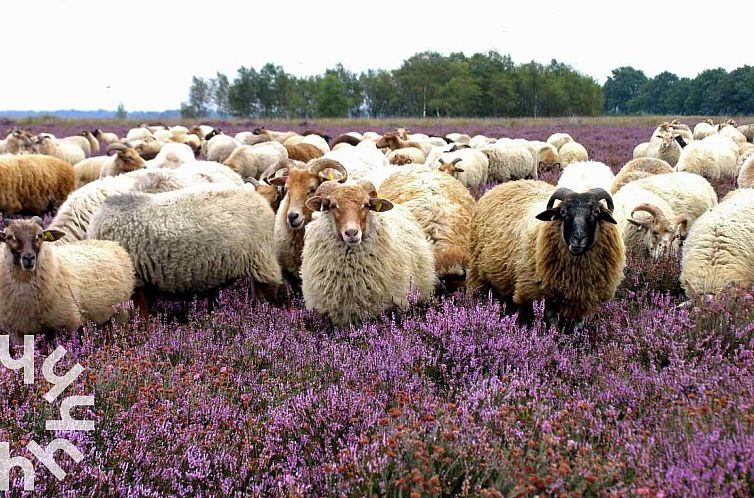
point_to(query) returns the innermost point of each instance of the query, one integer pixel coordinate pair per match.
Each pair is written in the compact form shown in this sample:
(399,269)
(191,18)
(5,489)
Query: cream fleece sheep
(89,169)
(219,148)
(349,283)
(720,247)
(509,161)
(193,239)
(408,155)
(714,157)
(360,161)
(469,166)
(68,152)
(746,175)
(171,155)
(583,176)
(664,146)
(640,150)
(558,139)
(70,284)
(32,183)
(703,130)
(250,161)
(572,152)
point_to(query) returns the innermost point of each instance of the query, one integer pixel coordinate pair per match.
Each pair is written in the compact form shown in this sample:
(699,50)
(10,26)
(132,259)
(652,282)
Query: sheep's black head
(579,213)
(24,239)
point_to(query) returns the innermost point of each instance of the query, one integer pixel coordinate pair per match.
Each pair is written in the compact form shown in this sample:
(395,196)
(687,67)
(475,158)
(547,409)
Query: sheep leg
(270,293)
(525,313)
(141,303)
(212,299)
(251,292)
(49,337)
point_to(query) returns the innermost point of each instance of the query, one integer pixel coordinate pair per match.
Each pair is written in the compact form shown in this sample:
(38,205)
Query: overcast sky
(63,54)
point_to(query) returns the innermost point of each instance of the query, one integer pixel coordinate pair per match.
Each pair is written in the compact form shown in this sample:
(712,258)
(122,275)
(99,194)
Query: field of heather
(652,398)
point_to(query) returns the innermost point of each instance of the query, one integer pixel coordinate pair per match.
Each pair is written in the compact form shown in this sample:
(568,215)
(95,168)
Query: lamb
(68,152)
(93,142)
(469,166)
(250,161)
(558,139)
(671,203)
(293,214)
(364,253)
(32,183)
(664,146)
(47,288)
(510,161)
(171,155)
(219,148)
(572,152)
(303,152)
(714,157)
(637,169)
(584,176)
(704,129)
(720,248)
(104,137)
(443,207)
(75,214)
(193,240)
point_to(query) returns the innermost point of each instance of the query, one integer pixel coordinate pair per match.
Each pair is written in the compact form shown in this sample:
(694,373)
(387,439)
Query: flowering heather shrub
(651,397)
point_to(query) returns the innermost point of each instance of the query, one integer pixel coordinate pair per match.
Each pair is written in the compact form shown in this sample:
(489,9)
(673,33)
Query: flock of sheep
(356,222)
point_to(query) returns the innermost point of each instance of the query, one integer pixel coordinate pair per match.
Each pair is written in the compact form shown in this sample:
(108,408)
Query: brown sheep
(31,183)
(525,248)
(303,152)
(393,141)
(638,168)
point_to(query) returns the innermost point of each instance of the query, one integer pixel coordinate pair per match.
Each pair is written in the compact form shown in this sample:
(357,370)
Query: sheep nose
(294,219)
(351,232)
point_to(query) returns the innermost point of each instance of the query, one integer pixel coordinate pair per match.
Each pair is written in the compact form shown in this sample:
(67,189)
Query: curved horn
(285,164)
(603,194)
(319,164)
(558,196)
(253,181)
(116,147)
(655,211)
(456,161)
(368,187)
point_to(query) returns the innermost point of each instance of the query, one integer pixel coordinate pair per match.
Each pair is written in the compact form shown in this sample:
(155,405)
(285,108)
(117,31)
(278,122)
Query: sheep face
(661,235)
(579,215)
(24,239)
(451,168)
(389,141)
(349,206)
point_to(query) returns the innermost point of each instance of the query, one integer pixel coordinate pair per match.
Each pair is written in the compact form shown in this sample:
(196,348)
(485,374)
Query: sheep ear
(318,203)
(549,215)
(380,205)
(278,181)
(607,217)
(52,235)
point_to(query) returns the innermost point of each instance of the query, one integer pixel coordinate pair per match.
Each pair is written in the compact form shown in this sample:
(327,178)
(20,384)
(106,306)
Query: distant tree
(200,98)
(220,90)
(657,95)
(120,112)
(332,96)
(705,92)
(381,93)
(242,94)
(622,90)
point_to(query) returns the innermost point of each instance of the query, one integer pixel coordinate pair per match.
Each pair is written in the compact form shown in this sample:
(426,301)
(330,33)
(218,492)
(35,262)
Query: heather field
(654,397)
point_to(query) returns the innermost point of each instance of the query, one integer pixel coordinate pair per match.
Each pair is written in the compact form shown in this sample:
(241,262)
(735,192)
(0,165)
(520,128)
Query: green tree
(332,99)
(381,93)
(220,94)
(622,89)
(704,92)
(199,100)
(242,94)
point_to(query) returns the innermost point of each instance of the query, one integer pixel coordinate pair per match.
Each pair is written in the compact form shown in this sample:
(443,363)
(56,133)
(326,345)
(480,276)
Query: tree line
(427,84)
(430,84)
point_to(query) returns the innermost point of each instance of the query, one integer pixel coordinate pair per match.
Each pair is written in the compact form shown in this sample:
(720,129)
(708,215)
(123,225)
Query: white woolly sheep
(47,288)
(558,139)
(572,152)
(746,175)
(219,148)
(714,157)
(640,150)
(459,138)
(732,133)
(408,155)
(664,146)
(584,176)
(360,161)
(720,247)
(510,161)
(124,160)
(138,133)
(193,240)
(171,155)
(469,166)
(105,137)
(93,142)
(68,152)
(704,129)
(250,161)
(636,169)
(526,248)
(362,254)
(480,141)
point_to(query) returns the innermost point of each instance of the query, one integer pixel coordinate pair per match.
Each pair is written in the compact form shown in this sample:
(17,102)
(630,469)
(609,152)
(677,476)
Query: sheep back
(31,183)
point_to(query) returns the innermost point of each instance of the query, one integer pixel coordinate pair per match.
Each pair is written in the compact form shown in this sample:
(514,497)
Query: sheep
(250,161)
(392,141)
(171,155)
(273,136)
(640,150)
(125,159)
(249,138)
(480,141)
(193,240)
(714,157)
(672,203)
(469,166)
(345,139)
(677,128)
(639,168)
(75,214)
(204,132)
(720,248)
(47,288)
(509,161)
(732,133)
(664,146)
(219,148)
(459,138)
(68,152)
(362,254)
(744,150)
(746,175)
(93,142)
(303,152)
(408,155)
(547,157)
(32,183)
(748,131)
(148,148)
(318,141)
(526,248)
(587,175)
(79,140)
(360,161)
(138,133)
(704,129)
(572,152)
(443,207)
(104,137)
(293,215)
(271,193)
(437,141)
(88,170)
(17,142)
(558,139)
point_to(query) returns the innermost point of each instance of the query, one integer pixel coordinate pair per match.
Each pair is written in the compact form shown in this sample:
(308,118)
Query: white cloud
(94,54)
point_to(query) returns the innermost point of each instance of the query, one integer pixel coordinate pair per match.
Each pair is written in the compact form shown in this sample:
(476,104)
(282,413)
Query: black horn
(603,194)
(558,195)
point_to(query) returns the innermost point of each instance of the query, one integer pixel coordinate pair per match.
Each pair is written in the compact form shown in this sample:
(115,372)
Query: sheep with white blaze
(363,254)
